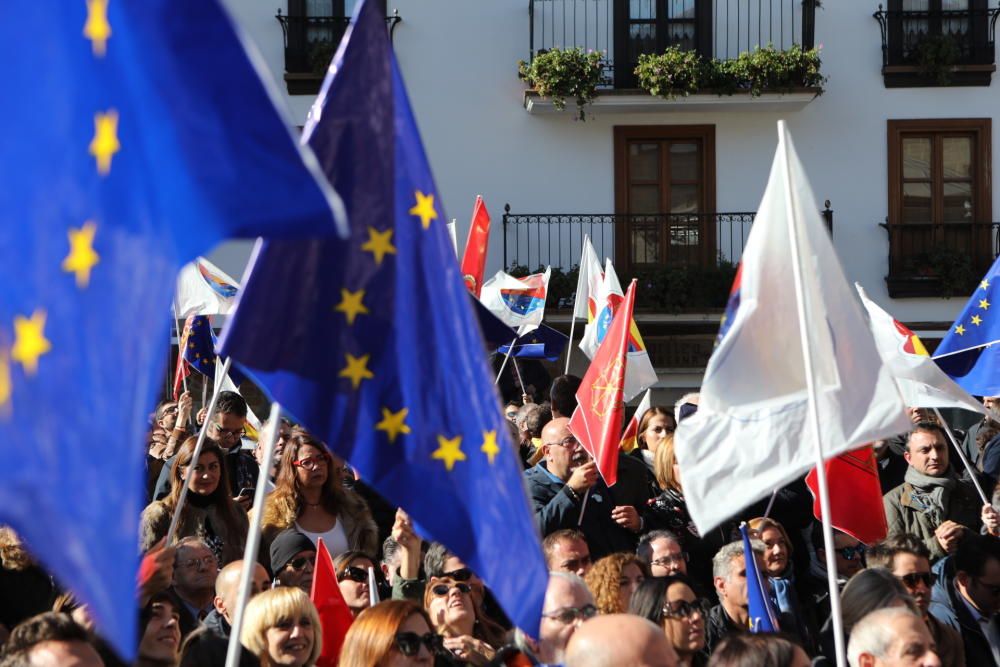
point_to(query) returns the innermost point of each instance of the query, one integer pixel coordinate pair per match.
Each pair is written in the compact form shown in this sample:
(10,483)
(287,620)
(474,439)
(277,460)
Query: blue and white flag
(519,302)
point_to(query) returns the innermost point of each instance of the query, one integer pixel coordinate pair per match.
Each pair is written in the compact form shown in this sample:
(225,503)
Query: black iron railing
(311,41)
(923,250)
(625,29)
(938,39)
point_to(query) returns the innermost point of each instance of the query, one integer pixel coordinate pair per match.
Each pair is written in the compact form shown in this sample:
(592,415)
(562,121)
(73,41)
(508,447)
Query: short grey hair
(574,581)
(434,559)
(722,562)
(645,549)
(872,634)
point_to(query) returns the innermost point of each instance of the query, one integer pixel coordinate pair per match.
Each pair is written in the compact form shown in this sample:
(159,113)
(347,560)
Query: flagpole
(576,295)
(194,461)
(520,379)
(510,348)
(813,407)
(961,454)
(177,328)
(253,536)
(770,504)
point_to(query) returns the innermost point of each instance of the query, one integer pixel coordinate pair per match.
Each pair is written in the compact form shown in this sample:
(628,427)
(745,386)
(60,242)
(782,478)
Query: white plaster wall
(459,61)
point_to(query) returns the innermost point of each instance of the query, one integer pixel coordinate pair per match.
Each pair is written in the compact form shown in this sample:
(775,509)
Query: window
(939,193)
(650,26)
(665,194)
(313,29)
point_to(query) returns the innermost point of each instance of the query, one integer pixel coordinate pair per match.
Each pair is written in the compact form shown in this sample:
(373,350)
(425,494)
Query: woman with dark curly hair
(613,579)
(309,495)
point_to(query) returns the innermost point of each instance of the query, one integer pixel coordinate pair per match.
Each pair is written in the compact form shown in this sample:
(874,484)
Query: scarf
(929,492)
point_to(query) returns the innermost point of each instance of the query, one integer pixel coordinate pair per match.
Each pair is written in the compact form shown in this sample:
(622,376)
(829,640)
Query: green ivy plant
(562,74)
(671,73)
(953,269)
(936,55)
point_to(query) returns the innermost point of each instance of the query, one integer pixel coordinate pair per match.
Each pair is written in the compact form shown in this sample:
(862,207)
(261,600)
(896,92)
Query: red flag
(334,616)
(474,260)
(182,370)
(630,438)
(855,495)
(597,420)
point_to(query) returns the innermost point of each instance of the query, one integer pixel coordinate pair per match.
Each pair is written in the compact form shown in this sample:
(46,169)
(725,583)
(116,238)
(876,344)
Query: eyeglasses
(850,553)
(569,443)
(461,574)
(207,561)
(311,463)
(575,564)
(441,590)
(568,615)
(229,433)
(409,643)
(354,574)
(911,579)
(675,559)
(300,562)
(170,411)
(684,609)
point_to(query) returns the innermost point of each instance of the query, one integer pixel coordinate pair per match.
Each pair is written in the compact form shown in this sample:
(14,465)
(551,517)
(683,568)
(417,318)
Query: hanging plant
(936,56)
(562,74)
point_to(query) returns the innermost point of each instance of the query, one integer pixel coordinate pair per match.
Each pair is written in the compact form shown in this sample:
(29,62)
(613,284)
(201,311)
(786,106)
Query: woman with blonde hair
(310,496)
(394,633)
(613,579)
(281,627)
(209,512)
(780,570)
(456,615)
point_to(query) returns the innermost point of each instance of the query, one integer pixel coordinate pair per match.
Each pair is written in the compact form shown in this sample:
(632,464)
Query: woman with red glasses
(352,578)
(468,633)
(394,633)
(310,496)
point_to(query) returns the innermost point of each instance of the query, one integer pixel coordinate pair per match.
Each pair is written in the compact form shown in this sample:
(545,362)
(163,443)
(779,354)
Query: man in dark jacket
(559,483)
(966,597)
(732,614)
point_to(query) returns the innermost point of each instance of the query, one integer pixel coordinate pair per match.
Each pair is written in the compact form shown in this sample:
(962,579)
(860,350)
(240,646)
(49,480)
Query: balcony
(939,260)
(937,48)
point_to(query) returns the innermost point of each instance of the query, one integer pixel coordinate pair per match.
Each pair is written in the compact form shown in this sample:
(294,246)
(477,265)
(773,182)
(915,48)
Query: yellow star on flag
(357,369)
(105,142)
(960,330)
(29,341)
(97,29)
(449,450)
(81,258)
(424,208)
(379,244)
(977,320)
(985,284)
(393,423)
(984,304)
(490,447)
(351,304)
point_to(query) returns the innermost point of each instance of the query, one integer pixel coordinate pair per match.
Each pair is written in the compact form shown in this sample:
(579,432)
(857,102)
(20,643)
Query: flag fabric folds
(204,289)
(605,298)
(334,616)
(761,614)
(588,279)
(197,352)
(855,495)
(519,302)
(921,382)
(474,259)
(630,437)
(126,160)
(542,343)
(750,434)
(597,420)
(341,333)
(967,352)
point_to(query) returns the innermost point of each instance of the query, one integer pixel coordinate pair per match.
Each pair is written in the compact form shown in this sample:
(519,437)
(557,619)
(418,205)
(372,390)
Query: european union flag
(761,614)
(124,158)
(968,353)
(343,334)
(199,348)
(542,343)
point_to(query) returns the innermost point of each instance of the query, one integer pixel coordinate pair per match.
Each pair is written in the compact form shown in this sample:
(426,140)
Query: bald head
(227,586)
(619,639)
(556,430)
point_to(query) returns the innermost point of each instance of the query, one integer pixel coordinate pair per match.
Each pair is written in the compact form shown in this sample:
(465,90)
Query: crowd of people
(632,581)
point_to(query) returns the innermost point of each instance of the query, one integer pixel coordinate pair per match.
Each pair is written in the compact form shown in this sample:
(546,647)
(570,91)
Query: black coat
(948,607)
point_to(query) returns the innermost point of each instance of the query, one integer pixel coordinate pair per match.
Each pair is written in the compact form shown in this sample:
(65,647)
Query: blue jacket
(948,607)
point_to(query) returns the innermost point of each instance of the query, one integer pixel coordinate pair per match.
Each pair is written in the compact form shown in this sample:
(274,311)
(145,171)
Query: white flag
(751,433)
(921,382)
(203,289)
(519,302)
(589,277)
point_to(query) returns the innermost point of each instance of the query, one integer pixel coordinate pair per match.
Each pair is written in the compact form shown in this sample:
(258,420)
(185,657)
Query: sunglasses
(568,615)
(409,643)
(442,590)
(684,609)
(912,579)
(850,553)
(355,574)
(300,562)
(461,574)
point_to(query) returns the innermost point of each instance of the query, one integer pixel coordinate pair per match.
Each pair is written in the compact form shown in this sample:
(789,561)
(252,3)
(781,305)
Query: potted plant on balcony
(562,74)
(674,72)
(937,56)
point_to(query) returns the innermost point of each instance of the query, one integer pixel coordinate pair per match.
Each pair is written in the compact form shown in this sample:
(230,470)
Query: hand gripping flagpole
(961,455)
(576,295)
(824,491)
(253,535)
(194,458)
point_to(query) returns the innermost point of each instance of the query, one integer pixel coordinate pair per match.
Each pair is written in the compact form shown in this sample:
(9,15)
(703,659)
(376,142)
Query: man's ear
(962,579)
(220,605)
(866,660)
(720,585)
(906,454)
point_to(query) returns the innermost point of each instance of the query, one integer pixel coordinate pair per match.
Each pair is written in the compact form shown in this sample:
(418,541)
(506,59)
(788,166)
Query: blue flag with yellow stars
(343,334)
(969,353)
(137,135)
(199,348)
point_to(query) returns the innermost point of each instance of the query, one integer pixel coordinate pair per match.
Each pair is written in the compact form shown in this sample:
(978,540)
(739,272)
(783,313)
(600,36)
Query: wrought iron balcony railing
(925,258)
(623,30)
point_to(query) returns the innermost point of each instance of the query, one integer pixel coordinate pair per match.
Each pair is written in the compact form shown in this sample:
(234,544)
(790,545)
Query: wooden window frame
(623,134)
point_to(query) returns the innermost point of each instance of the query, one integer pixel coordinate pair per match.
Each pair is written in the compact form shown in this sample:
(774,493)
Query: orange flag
(597,420)
(855,495)
(334,616)
(474,260)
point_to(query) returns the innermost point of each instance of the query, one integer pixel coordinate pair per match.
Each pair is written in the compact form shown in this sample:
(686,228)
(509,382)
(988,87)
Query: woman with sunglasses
(613,579)
(456,615)
(670,602)
(394,633)
(352,568)
(281,627)
(209,511)
(310,496)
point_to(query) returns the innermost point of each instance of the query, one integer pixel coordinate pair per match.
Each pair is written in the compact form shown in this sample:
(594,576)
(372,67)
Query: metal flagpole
(576,295)
(194,460)
(177,328)
(813,407)
(520,379)
(961,455)
(510,348)
(253,536)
